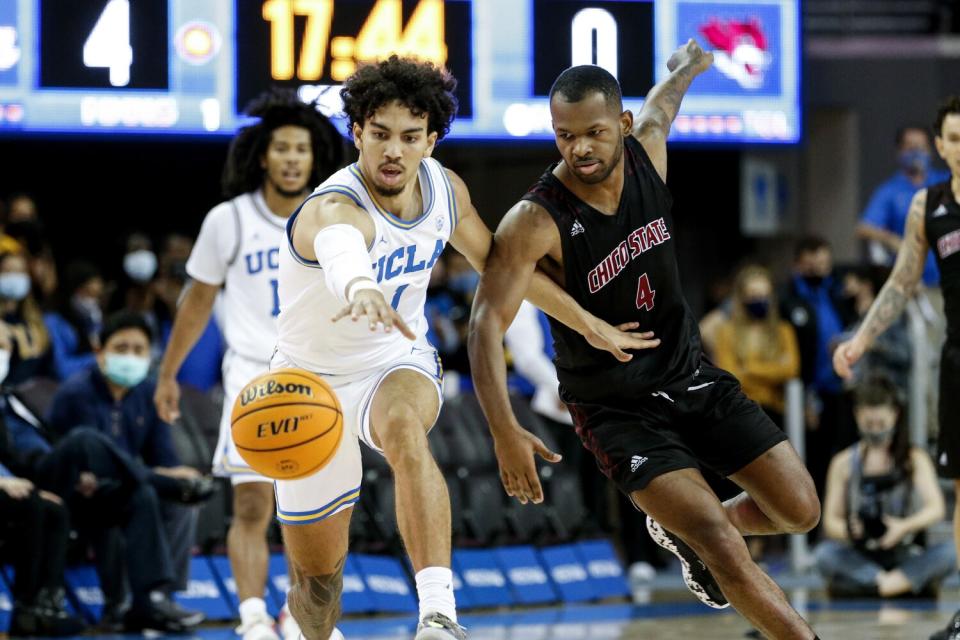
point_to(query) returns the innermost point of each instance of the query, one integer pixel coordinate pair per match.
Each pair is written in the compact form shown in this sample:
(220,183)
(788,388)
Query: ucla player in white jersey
(271,166)
(359,252)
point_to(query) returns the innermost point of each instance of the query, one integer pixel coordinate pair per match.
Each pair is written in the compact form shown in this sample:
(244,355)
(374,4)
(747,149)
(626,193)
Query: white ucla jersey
(402,254)
(239,248)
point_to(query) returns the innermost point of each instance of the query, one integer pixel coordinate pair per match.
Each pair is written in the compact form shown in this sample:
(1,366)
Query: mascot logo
(740,50)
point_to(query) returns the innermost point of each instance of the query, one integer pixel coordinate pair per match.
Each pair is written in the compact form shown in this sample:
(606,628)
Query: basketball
(287,423)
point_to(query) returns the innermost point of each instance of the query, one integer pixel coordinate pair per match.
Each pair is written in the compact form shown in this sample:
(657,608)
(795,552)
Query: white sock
(252,608)
(435,590)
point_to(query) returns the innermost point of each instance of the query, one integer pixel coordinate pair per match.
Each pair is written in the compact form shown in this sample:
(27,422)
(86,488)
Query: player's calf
(315,601)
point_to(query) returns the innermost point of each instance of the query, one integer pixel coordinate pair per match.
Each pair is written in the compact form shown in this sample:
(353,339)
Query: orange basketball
(287,423)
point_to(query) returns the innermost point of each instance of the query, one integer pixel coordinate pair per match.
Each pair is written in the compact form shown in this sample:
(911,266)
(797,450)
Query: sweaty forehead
(951,124)
(591,109)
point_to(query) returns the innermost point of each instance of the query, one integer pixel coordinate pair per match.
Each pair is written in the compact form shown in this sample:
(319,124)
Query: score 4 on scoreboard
(190,66)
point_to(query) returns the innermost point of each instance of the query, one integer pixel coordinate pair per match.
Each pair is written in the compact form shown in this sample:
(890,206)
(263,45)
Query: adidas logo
(940,211)
(576,229)
(636,461)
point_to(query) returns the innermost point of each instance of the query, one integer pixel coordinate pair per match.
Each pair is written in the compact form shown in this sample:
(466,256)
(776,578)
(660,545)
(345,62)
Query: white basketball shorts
(237,372)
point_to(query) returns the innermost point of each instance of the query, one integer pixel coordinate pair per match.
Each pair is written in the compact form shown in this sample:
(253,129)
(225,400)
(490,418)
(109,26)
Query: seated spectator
(116,398)
(890,354)
(34,531)
(881,494)
(75,321)
(755,344)
(24,226)
(20,317)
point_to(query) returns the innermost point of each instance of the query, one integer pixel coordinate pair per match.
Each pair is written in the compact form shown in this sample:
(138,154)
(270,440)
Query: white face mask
(4,364)
(140,265)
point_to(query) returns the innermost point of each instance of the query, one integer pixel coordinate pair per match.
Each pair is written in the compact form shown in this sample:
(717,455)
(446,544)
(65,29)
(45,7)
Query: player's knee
(716,540)
(804,512)
(402,436)
(252,507)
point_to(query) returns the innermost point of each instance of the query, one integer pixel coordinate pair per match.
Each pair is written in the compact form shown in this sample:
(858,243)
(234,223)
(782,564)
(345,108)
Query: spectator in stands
(116,398)
(103,489)
(136,288)
(755,344)
(812,301)
(24,225)
(448,311)
(22,321)
(75,322)
(870,515)
(34,531)
(890,354)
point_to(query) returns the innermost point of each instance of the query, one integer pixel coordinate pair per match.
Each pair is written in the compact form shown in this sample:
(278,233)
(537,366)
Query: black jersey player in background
(600,223)
(932,222)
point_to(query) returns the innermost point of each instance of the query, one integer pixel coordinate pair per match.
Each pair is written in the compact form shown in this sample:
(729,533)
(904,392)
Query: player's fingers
(525,492)
(343,313)
(536,490)
(544,452)
(402,326)
(628,326)
(639,343)
(507,485)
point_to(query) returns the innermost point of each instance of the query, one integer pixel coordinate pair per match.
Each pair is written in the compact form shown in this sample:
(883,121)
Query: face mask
(4,365)
(877,438)
(914,161)
(140,265)
(126,370)
(89,308)
(813,281)
(14,286)
(465,282)
(757,308)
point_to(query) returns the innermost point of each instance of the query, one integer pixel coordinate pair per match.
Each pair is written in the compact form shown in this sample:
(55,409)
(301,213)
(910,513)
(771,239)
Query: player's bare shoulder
(325,210)
(529,229)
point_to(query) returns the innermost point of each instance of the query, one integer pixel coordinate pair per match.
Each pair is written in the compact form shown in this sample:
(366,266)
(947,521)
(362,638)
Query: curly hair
(419,86)
(278,108)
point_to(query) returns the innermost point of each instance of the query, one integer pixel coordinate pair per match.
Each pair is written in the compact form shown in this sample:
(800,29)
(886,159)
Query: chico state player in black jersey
(600,222)
(932,222)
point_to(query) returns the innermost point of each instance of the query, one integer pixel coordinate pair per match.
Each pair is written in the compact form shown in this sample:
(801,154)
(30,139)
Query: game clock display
(190,66)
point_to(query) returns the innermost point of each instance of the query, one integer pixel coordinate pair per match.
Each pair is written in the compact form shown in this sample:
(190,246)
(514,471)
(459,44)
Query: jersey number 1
(645,294)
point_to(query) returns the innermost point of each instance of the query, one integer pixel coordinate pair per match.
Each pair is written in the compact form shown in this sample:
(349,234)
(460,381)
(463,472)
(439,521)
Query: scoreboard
(190,66)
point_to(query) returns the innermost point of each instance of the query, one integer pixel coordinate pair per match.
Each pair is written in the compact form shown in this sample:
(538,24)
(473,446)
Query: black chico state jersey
(942,226)
(622,268)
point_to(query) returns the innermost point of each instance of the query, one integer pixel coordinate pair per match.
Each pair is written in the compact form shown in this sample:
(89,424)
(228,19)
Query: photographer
(881,493)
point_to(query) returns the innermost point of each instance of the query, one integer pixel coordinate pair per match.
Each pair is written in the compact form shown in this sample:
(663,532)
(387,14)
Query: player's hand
(846,355)
(619,338)
(372,304)
(167,399)
(690,55)
(16,488)
(518,470)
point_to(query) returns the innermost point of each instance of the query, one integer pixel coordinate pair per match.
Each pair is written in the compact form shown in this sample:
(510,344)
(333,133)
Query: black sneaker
(161,615)
(43,621)
(188,617)
(952,630)
(436,626)
(695,573)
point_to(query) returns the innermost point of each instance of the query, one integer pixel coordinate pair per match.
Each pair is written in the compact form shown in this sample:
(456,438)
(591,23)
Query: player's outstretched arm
(193,315)
(521,240)
(473,240)
(662,104)
(335,232)
(896,292)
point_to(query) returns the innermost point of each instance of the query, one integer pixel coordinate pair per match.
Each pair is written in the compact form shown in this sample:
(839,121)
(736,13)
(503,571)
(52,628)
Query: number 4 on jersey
(645,294)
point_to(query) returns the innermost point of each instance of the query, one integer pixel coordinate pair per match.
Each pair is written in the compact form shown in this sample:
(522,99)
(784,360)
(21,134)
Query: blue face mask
(465,282)
(126,370)
(915,161)
(14,286)
(140,265)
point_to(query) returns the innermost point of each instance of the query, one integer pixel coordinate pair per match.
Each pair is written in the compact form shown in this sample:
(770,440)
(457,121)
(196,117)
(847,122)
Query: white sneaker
(258,628)
(290,630)
(336,635)
(436,626)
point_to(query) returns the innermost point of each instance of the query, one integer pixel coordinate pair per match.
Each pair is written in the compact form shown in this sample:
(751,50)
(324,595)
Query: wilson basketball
(287,423)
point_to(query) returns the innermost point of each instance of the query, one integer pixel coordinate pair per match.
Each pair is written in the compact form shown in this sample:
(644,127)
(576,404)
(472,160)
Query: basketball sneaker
(258,627)
(287,624)
(436,626)
(695,573)
(952,630)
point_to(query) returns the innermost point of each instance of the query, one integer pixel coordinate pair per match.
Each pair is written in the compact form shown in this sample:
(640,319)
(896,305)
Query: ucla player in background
(364,243)
(271,167)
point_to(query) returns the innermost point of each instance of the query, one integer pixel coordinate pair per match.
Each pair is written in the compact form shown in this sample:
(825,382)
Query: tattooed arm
(895,294)
(663,102)
(315,601)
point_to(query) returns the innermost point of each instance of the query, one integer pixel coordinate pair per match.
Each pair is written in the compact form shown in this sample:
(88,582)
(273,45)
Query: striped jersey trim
(315,515)
(424,175)
(451,201)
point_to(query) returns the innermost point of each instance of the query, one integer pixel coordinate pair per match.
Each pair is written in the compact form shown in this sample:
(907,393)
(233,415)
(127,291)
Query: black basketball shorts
(709,424)
(948,442)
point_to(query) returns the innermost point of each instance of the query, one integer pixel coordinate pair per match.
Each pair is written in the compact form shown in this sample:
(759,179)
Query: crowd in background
(79,434)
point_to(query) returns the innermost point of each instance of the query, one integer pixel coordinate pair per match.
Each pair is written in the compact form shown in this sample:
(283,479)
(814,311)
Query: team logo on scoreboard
(740,49)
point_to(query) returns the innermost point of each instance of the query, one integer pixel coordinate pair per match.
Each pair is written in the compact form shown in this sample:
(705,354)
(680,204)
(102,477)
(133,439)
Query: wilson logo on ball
(253,393)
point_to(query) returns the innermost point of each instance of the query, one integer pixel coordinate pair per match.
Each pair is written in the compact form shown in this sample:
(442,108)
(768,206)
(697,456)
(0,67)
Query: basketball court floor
(907,620)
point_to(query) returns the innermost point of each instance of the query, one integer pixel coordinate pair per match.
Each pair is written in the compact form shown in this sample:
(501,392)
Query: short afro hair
(950,106)
(419,86)
(576,83)
(279,108)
